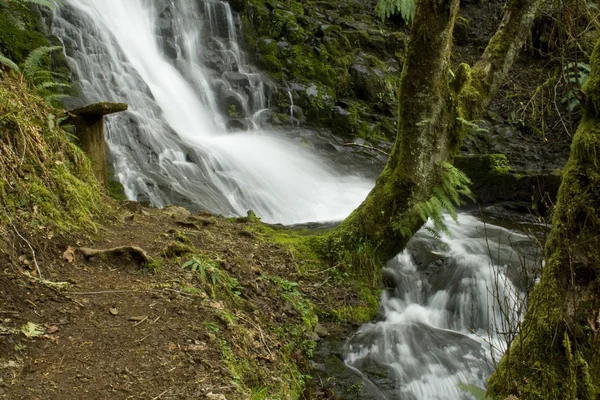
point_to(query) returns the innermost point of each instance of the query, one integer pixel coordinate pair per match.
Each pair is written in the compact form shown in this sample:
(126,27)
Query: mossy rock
(493,180)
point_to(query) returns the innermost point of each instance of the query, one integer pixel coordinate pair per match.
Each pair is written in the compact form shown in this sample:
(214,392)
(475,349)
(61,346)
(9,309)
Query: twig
(144,338)
(181,293)
(364,146)
(110,292)
(39,271)
(160,395)
(24,146)
(558,112)
(142,320)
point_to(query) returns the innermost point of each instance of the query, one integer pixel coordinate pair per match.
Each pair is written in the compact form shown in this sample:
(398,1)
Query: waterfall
(179,66)
(441,314)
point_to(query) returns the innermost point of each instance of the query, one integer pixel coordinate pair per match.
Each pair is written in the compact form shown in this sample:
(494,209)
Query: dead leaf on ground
(69,254)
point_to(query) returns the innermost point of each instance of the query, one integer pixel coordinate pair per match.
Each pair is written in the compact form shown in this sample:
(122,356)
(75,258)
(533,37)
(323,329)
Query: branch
(364,146)
(490,71)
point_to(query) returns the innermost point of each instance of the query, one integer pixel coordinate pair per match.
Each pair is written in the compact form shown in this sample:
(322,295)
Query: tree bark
(429,133)
(557,352)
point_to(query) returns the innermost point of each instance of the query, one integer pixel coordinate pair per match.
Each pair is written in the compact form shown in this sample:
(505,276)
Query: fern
(7,62)
(34,60)
(476,392)
(453,187)
(387,8)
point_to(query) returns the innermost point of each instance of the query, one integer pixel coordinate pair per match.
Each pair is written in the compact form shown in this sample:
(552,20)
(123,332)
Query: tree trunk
(557,352)
(421,145)
(429,133)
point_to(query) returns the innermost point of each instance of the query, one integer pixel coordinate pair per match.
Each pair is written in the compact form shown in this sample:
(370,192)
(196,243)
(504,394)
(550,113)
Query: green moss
(177,249)
(46,179)
(363,312)
(116,190)
(21,31)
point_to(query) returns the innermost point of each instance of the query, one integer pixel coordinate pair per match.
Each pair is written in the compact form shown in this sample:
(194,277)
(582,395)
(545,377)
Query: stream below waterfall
(180,68)
(445,301)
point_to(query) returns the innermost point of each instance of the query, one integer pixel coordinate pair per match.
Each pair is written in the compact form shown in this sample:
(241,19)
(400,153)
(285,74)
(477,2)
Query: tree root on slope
(134,252)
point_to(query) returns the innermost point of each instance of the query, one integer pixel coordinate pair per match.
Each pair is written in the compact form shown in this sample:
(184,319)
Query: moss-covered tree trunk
(557,353)
(429,133)
(422,142)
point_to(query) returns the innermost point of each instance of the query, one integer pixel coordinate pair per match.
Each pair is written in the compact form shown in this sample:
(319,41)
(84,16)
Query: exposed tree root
(134,252)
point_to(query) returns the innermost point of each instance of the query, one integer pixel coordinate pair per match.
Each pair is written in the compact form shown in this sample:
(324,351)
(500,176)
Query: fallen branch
(364,146)
(133,251)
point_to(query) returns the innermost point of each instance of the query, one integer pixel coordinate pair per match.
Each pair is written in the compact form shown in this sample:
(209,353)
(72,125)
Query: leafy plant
(575,74)
(211,274)
(7,62)
(454,186)
(476,392)
(405,8)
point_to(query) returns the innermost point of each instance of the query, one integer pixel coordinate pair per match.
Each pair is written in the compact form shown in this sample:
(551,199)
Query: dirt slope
(240,326)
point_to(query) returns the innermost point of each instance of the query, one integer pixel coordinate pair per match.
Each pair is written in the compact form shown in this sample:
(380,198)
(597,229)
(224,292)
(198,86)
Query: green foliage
(405,8)
(7,62)
(210,273)
(45,180)
(447,195)
(476,392)
(575,74)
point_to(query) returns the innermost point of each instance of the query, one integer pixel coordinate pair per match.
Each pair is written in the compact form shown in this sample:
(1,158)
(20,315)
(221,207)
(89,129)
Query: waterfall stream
(179,67)
(446,300)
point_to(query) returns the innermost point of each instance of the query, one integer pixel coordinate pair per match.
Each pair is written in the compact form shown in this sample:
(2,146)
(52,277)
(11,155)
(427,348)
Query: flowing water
(179,67)
(441,312)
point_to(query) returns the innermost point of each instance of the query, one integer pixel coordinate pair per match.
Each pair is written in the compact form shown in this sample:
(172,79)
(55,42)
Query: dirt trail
(120,331)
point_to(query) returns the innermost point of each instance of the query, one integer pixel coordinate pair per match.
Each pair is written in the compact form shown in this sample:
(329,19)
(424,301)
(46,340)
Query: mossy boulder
(494,180)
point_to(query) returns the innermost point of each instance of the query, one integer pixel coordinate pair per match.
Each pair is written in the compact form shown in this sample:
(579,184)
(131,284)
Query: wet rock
(368,82)
(239,124)
(230,101)
(237,79)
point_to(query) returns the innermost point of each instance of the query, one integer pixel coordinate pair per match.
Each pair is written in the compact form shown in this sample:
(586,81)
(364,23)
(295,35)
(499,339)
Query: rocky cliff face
(338,66)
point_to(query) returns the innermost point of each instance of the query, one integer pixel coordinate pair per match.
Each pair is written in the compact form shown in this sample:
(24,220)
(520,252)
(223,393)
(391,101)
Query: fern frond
(52,85)
(34,59)
(472,390)
(55,97)
(446,202)
(387,8)
(7,62)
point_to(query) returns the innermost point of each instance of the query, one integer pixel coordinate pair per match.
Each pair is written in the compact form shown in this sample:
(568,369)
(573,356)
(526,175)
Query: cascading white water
(167,60)
(440,314)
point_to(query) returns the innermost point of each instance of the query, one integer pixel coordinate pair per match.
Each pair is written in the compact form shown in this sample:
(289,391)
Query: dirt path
(120,331)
